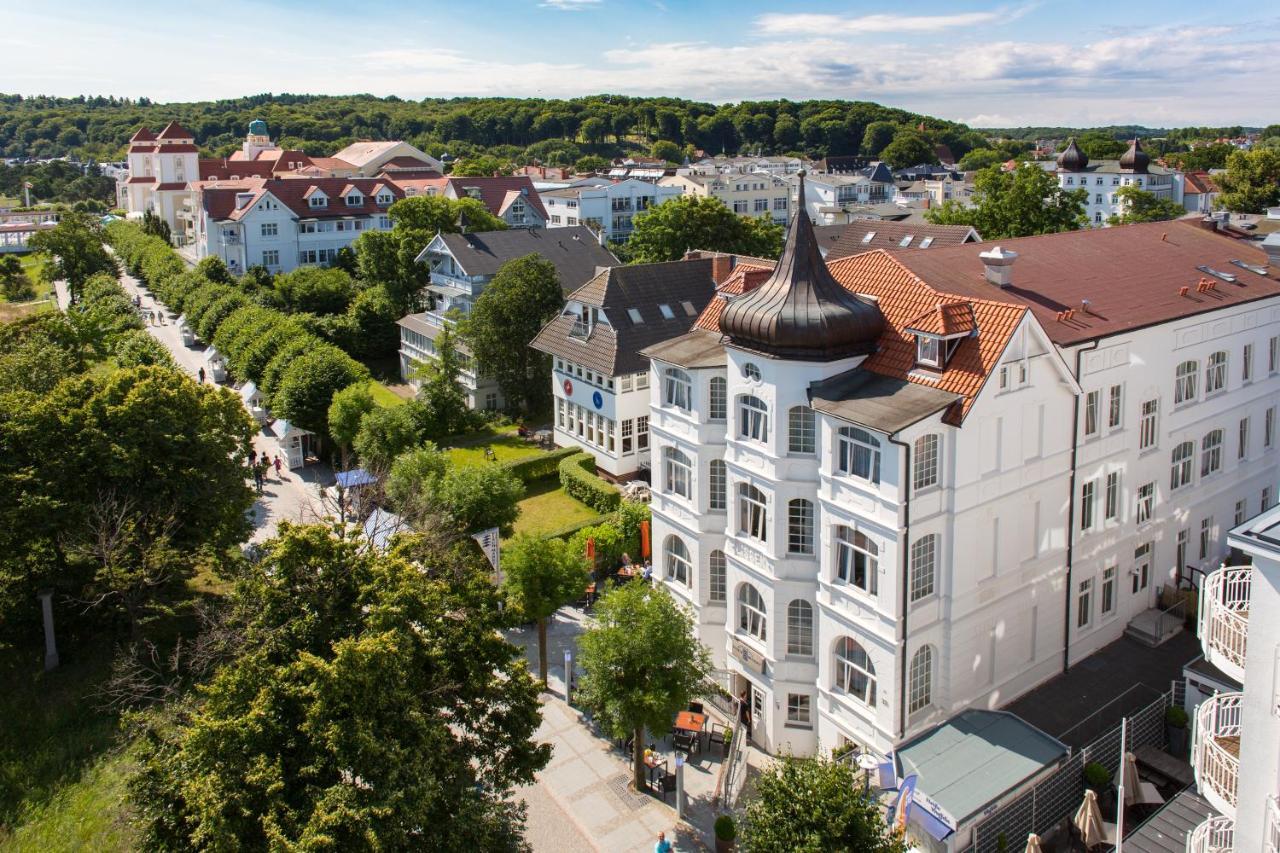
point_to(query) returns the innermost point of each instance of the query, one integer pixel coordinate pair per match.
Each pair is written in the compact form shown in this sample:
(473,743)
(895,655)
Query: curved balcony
(1215,753)
(1224,618)
(1215,835)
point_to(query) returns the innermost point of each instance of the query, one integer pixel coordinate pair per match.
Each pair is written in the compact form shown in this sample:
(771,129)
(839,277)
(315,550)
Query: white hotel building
(925,481)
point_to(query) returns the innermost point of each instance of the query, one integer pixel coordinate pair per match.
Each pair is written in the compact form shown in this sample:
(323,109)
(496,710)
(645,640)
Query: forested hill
(551,131)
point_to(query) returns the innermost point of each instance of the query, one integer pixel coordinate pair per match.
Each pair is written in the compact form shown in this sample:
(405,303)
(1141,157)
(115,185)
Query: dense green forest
(58,181)
(551,131)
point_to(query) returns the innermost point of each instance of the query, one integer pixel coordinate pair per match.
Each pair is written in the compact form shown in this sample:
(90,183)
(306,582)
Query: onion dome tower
(1072,159)
(801,312)
(1135,159)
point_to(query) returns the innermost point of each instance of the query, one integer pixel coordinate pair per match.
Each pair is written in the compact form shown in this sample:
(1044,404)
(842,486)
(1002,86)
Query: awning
(354,478)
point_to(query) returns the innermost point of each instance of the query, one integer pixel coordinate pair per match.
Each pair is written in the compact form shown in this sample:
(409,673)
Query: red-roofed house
(909,483)
(1199,192)
(511,198)
(284,223)
(159,167)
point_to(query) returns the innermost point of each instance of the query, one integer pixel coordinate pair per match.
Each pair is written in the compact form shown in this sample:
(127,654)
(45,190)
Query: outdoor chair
(667,785)
(683,742)
(696,707)
(716,735)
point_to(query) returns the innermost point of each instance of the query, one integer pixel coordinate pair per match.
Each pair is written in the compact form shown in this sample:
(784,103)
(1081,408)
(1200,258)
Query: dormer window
(928,351)
(318,201)
(868,237)
(354,200)
(384,199)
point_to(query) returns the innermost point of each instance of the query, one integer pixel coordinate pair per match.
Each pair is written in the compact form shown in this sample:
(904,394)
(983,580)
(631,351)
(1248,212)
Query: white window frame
(924,567)
(1084,604)
(753,513)
(1107,599)
(855,674)
(753,418)
(752,615)
(717,576)
(718,399)
(800,628)
(802,431)
(854,549)
(677,389)
(801,521)
(1092,416)
(925,461)
(920,680)
(1111,497)
(1185,382)
(1182,465)
(679,566)
(677,473)
(1148,424)
(1215,373)
(858,454)
(1146,502)
(1211,453)
(717,485)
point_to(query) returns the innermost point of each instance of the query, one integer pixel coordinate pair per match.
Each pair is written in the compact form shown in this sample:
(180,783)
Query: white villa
(606,209)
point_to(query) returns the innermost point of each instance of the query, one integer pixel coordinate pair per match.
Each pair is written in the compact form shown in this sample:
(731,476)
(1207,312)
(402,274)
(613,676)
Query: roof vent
(998,265)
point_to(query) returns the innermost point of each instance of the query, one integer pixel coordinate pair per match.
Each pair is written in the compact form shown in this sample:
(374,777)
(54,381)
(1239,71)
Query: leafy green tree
(813,805)
(315,290)
(215,269)
(1138,205)
(74,252)
(523,295)
(429,215)
(908,148)
(667,231)
(540,576)
(594,130)
(413,477)
(14,284)
(155,226)
(441,408)
(591,163)
(372,327)
(477,497)
(1019,203)
(1251,183)
(309,382)
(877,137)
(368,703)
(1098,145)
(348,408)
(383,435)
(642,664)
(482,166)
(980,158)
(1200,159)
(664,149)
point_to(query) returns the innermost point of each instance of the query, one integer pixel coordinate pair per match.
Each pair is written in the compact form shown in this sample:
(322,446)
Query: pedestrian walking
(200,375)
(663,845)
(257,478)
(253,458)
(279,465)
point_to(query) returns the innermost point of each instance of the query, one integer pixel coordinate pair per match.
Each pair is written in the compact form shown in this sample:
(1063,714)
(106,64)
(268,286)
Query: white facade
(1236,744)
(956,590)
(1103,178)
(751,194)
(827,195)
(608,209)
(607,416)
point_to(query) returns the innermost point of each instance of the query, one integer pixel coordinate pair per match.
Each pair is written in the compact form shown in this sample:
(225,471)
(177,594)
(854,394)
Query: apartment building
(918,482)
(752,194)
(1102,178)
(511,198)
(285,223)
(600,379)
(606,209)
(828,197)
(462,265)
(1236,738)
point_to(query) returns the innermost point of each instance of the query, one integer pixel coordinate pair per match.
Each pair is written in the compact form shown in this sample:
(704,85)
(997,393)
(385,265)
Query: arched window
(800,527)
(926,461)
(679,567)
(924,566)
(1211,453)
(920,680)
(718,570)
(677,473)
(854,673)
(800,628)
(857,558)
(718,485)
(859,454)
(1184,382)
(718,399)
(801,430)
(1215,373)
(751,612)
(752,515)
(677,389)
(753,418)
(1180,472)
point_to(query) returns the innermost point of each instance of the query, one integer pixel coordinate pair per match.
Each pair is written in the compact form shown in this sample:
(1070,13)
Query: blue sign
(597,400)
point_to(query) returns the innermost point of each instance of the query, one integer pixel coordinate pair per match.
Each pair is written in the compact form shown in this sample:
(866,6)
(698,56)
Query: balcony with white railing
(1215,752)
(1224,618)
(1215,835)
(1271,841)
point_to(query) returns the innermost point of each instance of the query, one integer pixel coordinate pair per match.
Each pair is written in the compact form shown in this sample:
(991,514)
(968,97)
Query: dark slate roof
(802,312)
(1166,831)
(1135,159)
(889,235)
(1072,158)
(615,349)
(883,403)
(698,348)
(576,253)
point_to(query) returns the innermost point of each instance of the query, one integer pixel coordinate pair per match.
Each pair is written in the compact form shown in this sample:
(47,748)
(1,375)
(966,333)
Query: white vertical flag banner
(490,542)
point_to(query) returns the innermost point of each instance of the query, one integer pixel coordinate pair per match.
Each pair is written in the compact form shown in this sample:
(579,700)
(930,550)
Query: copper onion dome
(1072,159)
(801,312)
(1135,159)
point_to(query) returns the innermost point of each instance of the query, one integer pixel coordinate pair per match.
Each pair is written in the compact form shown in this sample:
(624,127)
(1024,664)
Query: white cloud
(569,5)
(784,22)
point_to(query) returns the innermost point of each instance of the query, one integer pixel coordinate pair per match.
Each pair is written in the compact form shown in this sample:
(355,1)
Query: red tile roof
(177,148)
(142,134)
(173,130)
(142,148)
(1200,182)
(293,194)
(219,169)
(493,191)
(1132,276)
(141,179)
(172,185)
(404,162)
(945,319)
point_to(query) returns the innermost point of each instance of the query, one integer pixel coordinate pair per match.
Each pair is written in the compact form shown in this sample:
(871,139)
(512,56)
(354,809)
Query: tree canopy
(541,575)
(1020,203)
(667,231)
(74,251)
(1138,205)
(1251,183)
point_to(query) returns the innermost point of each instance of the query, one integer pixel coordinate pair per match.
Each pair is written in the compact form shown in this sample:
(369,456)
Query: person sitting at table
(647,574)
(522,431)
(626,560)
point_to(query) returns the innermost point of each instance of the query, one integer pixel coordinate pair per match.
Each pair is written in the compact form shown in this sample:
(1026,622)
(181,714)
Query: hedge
(220,310)
(569,529)
(532,468)
(578,477)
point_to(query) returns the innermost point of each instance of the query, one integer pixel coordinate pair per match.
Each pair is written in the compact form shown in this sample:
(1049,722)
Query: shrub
(538,467)
(608,543)
(578,477)
(568,530)
(307,386)
(136,348)
(290,348)
(220,309)
(253,361)
(1096,776)
(1176,716)
(725,828)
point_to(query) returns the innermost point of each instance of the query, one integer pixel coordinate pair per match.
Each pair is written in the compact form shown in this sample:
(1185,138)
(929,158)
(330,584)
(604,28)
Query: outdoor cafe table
(627,571)
(691,721)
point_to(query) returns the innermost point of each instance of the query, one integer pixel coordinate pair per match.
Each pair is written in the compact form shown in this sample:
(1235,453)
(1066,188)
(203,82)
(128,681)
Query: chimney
(721,267)
(1209,223)
(998,266)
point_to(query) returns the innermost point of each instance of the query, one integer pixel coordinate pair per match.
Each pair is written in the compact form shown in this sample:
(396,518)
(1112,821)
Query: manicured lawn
(384,396)
(89,813)
(506,445)
(547,507)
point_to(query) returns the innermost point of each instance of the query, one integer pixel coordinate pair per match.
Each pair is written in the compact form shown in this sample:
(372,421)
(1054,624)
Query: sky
(1081,63)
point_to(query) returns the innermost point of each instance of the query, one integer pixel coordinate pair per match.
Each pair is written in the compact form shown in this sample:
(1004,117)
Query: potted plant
(1098,779)
(726,834)
(1175,729)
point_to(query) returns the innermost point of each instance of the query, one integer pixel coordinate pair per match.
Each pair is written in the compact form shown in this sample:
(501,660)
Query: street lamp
(867,763)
